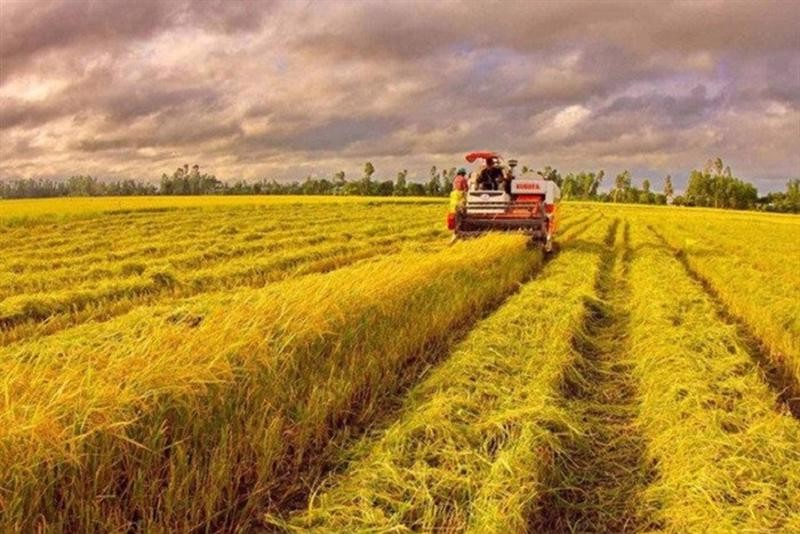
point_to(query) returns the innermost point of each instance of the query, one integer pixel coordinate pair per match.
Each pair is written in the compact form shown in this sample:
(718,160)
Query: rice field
(288,364)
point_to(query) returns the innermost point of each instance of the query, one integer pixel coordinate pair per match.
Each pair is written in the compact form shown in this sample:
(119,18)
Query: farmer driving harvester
(498,201)
(490,176)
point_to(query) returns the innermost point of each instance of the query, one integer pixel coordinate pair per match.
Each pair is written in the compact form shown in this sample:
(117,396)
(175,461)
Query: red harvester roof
(472,156)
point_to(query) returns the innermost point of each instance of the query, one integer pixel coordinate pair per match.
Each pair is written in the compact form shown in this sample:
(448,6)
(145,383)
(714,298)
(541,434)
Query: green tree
(339,181)
(793,195)
(366,182)
(447,180)
(669,191)
(400,187)
(591,181)
(581,186)
(645,196)
(549,173)
(622,184)
(715,186)
(415,190)
(434,187)
(385,188)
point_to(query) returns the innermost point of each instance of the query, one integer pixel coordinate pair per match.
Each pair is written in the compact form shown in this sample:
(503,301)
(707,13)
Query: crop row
(199,254)
(30,314)
(31,213)
(763,296)
(26,315)
(59,236)
(725,456)
(197,417)
(763,246)
(163,220)
(470,450)
(81,245)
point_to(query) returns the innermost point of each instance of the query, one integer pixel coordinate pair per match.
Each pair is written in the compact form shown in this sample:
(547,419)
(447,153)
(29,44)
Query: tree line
(712,186)
(186,181)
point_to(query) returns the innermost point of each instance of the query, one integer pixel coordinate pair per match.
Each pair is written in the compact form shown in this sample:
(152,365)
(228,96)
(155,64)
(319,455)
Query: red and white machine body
(517,204)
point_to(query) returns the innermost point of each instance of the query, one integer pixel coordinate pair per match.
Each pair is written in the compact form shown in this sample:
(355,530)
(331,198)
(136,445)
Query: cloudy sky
(252,89)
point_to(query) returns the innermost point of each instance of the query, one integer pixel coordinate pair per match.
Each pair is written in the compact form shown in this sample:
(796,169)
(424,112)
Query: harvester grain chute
(497,200)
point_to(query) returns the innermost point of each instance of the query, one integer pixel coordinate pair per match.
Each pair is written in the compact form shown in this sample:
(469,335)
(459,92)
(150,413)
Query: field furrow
(770,332)
(600,473)
(724,453)
(473,445)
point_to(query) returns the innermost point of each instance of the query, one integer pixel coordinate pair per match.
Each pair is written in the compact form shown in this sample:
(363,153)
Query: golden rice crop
(725,456)
(211,407)
(470,450)
(759,284)
(166,278)
(42,303)
(88,239)
(180,364)
(38,303)
(56,209)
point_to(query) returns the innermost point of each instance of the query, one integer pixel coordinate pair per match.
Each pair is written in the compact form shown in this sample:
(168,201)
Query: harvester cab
(510,204)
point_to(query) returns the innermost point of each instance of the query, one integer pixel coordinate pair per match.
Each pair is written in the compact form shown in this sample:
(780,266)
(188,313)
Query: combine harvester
(496,200)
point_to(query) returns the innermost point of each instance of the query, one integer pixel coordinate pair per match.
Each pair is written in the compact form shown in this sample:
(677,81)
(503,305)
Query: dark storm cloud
(36,26)
(334,134)
(169,136)
(250,88)
(397,31)
(116,105)
(30,27)
(660,110)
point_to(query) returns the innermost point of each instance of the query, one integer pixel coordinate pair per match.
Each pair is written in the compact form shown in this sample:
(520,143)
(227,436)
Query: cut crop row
(767,303)
(38,212)
(157,221)
(727,458)
(184,256)
(184,229)
(198,418)
(20,314)
(471,448)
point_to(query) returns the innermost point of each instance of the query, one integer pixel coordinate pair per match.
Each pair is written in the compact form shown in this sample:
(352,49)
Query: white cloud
(564,122)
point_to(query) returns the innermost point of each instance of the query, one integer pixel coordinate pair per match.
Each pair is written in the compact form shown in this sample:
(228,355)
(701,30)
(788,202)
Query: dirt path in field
(779,379)
(599,477)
